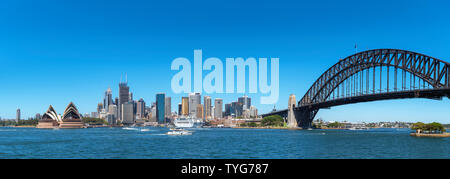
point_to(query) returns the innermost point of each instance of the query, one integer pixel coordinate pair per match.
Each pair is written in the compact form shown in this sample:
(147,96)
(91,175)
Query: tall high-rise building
(207,107)
(38,116)
(237,109)
(168,107)
(185,106)
(130,97)
(99,108)
(253,111)
(246,102)
(107,99)
(160,106)
(218,104)
(18,115)
(124,93)
(127,113)
(112,117)
(124,96)
(227,110)
(199,110)
(194,101)
(113,110)
(180,109)
(153,113)
(140,109)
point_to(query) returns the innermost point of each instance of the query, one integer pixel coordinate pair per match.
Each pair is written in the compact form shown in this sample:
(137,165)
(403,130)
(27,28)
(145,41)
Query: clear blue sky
(54,52)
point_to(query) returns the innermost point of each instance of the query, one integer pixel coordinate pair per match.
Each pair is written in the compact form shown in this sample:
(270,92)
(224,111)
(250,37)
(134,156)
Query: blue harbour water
(118,143)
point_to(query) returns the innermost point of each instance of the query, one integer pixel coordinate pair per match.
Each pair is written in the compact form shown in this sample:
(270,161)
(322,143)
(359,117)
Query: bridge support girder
(304,117)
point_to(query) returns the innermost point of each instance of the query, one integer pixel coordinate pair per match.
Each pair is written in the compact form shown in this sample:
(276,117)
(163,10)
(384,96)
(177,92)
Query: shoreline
(430,135)
(267,128)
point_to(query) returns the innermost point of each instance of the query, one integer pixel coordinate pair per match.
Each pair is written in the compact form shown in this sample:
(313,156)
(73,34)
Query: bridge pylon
(291,120)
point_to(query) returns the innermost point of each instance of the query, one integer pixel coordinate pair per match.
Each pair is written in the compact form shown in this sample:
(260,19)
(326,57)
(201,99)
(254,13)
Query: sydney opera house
(71,119)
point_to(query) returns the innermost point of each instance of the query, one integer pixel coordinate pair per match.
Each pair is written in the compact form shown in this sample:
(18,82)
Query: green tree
(434,127)
(418,126)
(274,120)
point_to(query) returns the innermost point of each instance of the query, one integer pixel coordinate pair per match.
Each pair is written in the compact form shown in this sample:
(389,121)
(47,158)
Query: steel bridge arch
(431,70)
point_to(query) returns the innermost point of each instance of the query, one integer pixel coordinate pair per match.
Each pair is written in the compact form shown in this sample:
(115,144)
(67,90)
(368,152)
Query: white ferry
(189,122)
(358,128)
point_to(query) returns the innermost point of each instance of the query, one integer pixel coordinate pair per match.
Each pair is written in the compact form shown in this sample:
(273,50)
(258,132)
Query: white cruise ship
(188,122)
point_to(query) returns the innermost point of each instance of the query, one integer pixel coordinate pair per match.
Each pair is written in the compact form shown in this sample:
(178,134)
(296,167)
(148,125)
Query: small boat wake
(130,128)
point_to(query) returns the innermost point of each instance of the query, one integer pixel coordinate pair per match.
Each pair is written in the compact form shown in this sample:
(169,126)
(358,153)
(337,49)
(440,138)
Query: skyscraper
(160,106)
(99,108)
(107,99)
(185,106)
(194,101)
(180,109)
(199,110)
(17,115)
(227,110)
(246,102)
(127,113)
(124,93)
(113,112)
(207,107)
(38,116)
(168,107)
(237,109)
(140,109)
(218,103)
(124,96)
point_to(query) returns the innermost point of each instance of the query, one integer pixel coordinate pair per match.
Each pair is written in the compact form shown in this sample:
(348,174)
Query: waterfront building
(227,110)
(124,96)
(199,110)
(253,111)
(111,119)
(94,115)
(99,108)
(194,101)
(180,109)
(185,106)
(17,115)
(153,113)
(71,118)
(127,113)
(112,114)
(207,108)
(102,114)
(218,104)
(130,97)
(107,99)
(168,107)
(237,109)
(160,106)
(246,102)
(140,109)
(49,120)
(37,116)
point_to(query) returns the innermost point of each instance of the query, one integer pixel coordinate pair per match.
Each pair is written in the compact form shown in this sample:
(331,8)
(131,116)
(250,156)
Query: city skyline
(101,46)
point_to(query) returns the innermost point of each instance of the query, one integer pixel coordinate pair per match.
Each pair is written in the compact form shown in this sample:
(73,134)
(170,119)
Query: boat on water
(188,122)
(179,131)
(358,128)
(130,128)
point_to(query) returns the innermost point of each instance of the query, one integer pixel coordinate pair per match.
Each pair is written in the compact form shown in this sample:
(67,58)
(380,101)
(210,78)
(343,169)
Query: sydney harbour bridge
(380,74)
